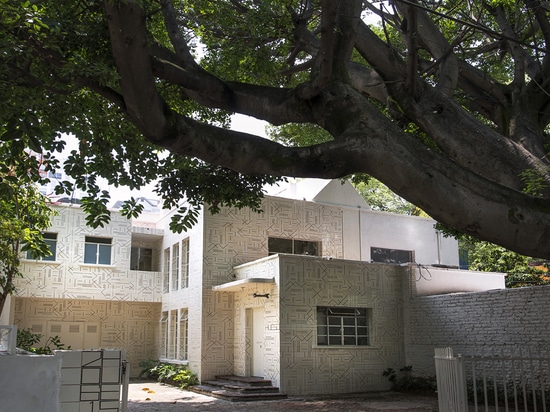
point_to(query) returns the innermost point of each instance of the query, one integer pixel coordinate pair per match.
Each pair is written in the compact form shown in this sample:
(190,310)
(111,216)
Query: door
(258,350)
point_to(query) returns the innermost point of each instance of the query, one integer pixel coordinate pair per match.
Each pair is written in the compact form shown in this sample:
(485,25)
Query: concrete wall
(30,383)
(384,230)
(94,324)
(234,237)
(307,282)
(471,322)
(70,278)
(438,281)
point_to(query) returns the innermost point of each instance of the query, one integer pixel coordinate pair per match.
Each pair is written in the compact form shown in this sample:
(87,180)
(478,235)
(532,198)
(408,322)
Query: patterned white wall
(70,278)
(132,326)
(92,306)
(306,283)
(293,359)
(234,237)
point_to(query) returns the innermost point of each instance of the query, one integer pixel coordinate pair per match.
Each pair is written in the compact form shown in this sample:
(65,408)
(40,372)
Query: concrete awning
(237,285)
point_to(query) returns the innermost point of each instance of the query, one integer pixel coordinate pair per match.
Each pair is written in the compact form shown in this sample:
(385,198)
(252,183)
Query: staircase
(239,389)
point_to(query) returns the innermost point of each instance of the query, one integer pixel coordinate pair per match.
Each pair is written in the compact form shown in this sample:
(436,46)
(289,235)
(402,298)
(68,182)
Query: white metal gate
(498,379)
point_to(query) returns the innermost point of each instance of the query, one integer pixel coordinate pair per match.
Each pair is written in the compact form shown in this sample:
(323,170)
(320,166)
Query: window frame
(102,244)
(293,246)
(141,258)
(393,256)
(340,327)
(50,238)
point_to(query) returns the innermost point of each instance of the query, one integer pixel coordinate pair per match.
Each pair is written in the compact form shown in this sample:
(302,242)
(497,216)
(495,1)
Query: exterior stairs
(239,389)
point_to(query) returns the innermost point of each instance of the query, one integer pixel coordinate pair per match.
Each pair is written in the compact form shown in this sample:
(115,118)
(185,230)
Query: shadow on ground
(155,397)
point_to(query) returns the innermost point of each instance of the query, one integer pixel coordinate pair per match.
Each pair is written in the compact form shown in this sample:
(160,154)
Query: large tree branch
(176,37)
(128,35)
(437,45)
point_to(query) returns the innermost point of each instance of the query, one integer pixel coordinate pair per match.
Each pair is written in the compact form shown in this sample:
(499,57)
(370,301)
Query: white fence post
(451,382)
(8,339)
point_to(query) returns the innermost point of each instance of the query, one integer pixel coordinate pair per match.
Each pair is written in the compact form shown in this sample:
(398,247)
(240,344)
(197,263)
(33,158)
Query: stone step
(239,389)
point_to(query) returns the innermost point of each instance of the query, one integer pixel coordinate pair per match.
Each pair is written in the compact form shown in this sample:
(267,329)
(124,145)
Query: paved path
(155,397)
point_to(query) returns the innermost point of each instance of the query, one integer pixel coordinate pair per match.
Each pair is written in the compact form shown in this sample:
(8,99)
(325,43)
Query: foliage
(27,339)
(379,197)
(146,368)
(488,257)
(445,103)
(406,381)
(177,375)
(24,213)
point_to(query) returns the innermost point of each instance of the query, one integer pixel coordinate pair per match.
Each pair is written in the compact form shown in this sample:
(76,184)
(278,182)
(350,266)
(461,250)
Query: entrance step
(239,389)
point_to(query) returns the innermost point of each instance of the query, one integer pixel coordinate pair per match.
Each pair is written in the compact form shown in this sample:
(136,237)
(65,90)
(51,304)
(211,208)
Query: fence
(503,379)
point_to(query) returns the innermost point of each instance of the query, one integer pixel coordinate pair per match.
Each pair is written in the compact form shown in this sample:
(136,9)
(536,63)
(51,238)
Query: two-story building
(308,293)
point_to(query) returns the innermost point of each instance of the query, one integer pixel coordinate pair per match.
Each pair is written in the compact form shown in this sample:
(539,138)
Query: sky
(239,122)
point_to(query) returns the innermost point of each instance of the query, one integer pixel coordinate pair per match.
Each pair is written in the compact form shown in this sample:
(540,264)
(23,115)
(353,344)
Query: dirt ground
(155,397)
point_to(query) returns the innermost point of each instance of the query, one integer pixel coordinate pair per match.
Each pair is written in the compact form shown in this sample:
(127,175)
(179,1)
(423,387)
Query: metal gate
(498,379)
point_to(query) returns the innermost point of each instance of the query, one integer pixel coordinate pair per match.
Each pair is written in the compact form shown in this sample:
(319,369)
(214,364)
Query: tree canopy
(446,103)
(24,214)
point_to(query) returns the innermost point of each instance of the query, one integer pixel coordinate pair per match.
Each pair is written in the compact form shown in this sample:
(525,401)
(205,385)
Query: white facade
(196,304)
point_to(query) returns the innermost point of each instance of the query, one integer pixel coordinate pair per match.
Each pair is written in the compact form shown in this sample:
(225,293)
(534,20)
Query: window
(175,267)
(51,240)
(293,246)
(164,335)
(182,332)
(166,271)
(141,259)
(97,250)
(173,336)
(185,263)
(378,254)
(342,326)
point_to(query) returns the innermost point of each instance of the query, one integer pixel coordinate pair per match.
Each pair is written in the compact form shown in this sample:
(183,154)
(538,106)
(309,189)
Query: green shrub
(169,373)
(147,367)
(406,381)
(27,339)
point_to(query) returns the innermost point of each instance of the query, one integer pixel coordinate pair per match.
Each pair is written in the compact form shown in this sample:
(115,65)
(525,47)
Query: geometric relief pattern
(234,237)
(69,278)
(299,366)
(308,282)
(128,325)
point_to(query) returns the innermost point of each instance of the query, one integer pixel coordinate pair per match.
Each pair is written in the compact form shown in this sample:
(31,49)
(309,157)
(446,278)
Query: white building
(300,293)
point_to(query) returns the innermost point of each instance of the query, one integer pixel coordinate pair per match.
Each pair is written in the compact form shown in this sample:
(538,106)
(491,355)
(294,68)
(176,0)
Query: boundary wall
(506,320)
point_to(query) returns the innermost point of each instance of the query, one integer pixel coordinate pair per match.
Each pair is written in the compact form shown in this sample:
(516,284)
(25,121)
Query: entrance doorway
(258,344)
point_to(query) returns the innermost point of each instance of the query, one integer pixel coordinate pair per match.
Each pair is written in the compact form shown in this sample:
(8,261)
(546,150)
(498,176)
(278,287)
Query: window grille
(342,326)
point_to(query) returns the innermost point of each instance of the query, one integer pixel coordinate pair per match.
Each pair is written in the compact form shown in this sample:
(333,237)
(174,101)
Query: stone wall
(474,322)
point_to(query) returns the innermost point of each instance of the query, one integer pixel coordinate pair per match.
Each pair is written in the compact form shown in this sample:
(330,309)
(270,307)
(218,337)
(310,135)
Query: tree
(379,197)
(24,214)
(521,270)
(446,103)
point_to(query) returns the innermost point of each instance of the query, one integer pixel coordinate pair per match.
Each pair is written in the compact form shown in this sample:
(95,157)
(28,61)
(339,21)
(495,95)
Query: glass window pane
(278,245)
(383,255)
(334,340)
(52,245)
(350,340)
(349,330)
(104,254)
(322,340)
(90,253)
(304,247)
(363,340)
(134,258)
(334,330)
